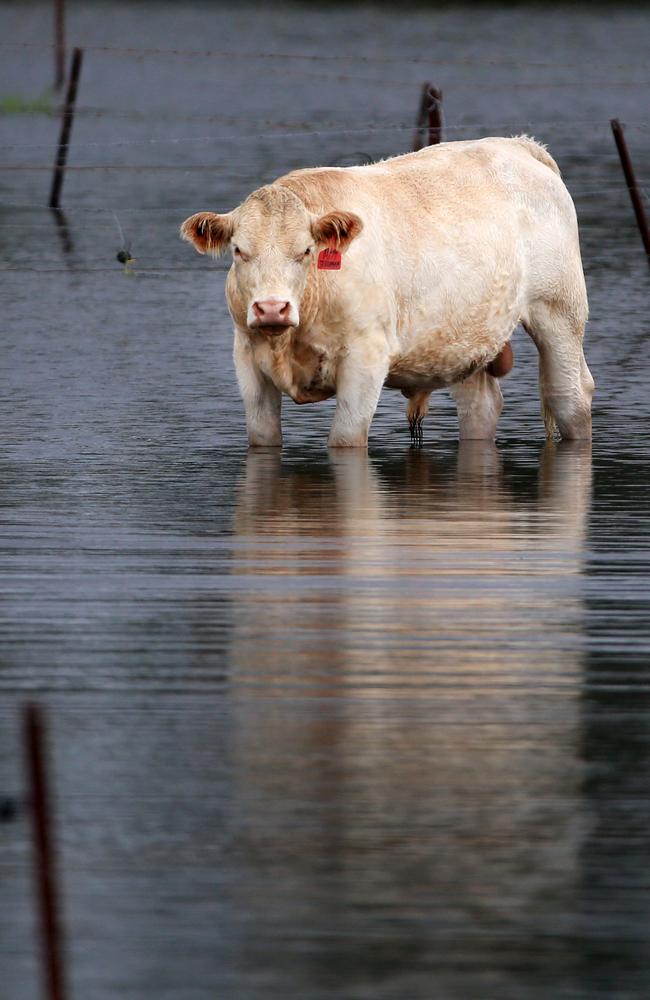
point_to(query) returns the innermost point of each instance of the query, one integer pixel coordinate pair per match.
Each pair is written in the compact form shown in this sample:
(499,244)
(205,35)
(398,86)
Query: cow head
(274,239)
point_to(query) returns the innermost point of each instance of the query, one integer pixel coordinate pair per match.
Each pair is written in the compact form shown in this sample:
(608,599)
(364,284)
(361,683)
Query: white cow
(442,253)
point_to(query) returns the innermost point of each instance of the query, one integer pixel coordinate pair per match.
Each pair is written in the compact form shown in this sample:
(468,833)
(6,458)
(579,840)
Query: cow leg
(479,403)
(262,401)
(359,381)
(565,382)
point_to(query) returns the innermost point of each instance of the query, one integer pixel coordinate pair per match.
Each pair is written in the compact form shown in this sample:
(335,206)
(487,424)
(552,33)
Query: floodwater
(377,726)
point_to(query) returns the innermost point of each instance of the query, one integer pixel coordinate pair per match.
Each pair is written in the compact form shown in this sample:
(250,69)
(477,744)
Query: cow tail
(539,152)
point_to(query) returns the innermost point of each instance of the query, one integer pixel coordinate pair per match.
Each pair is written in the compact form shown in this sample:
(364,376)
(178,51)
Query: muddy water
(364,726)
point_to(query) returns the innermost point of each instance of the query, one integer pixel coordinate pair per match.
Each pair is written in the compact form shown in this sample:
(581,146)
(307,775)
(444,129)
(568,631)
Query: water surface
(363,726)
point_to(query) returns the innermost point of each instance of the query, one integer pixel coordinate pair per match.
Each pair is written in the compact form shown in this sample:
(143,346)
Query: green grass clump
(15,104)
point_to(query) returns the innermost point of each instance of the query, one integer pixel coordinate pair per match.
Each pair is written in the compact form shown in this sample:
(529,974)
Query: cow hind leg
(565,382)
(416,410)
(479,403)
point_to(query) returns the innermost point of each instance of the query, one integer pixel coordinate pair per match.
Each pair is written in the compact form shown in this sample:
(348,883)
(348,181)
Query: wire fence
(265,129)
(280,130)
(276,62)
(269,55)
(80,210)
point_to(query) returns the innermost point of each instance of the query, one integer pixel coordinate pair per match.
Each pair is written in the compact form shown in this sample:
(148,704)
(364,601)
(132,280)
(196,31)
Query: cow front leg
(479,403)
(262,401)
(359,380)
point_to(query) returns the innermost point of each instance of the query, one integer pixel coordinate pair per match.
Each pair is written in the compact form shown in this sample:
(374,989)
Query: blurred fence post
(44,855)
(66,128)
(59,43)
(635,193)
(429,117)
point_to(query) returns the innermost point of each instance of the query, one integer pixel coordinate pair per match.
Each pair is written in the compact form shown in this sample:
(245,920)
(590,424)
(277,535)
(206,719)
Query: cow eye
(238,253)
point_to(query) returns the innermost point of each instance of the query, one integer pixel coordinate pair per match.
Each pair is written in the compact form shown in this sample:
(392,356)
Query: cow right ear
(209,232)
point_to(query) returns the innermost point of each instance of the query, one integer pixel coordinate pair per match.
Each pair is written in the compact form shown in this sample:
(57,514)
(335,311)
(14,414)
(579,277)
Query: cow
(410,273)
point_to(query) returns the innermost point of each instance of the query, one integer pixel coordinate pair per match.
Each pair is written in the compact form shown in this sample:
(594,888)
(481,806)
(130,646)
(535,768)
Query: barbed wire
(162,269)
(224,173)
(458,85)
(211,266)
(309,130)
(616,186)
(329,57)
(114,269)
(183,167)
(306,132)
(373,81)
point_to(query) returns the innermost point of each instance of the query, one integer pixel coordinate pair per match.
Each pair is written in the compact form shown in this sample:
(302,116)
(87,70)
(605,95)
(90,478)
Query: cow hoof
(351,442)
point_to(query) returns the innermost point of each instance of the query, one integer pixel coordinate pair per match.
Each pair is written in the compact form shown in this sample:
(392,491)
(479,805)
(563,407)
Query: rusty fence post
(66,128)
(635,193)
(63,229)
(421,117)
(435,116)
(44,855)
(429,119)
(59,43)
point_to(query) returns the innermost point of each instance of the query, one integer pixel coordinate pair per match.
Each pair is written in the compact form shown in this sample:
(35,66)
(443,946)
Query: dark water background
(362,727)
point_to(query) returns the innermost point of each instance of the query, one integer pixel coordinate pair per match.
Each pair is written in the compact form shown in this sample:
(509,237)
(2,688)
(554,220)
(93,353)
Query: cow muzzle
(272,315)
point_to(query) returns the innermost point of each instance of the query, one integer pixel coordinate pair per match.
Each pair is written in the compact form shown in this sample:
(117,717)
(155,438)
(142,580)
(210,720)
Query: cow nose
(272,312)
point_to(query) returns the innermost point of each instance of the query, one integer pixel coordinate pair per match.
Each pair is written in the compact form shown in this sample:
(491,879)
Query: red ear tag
(329,260)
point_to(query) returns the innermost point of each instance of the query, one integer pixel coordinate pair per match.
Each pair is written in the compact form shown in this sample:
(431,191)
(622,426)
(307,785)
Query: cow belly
(466,341)
(410,381)
(429,369)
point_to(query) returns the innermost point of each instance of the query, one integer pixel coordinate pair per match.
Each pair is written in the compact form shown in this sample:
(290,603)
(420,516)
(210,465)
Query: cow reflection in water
(387,567)
(406,657)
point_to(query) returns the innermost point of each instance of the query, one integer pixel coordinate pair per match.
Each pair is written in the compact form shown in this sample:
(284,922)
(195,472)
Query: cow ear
(337,229)
(209,232)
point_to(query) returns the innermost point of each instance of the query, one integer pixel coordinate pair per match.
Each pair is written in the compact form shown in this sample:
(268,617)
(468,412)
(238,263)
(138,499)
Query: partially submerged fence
(429,126)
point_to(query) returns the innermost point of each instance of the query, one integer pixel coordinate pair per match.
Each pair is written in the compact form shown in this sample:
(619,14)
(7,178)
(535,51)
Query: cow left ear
(209,232)
(337,229)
